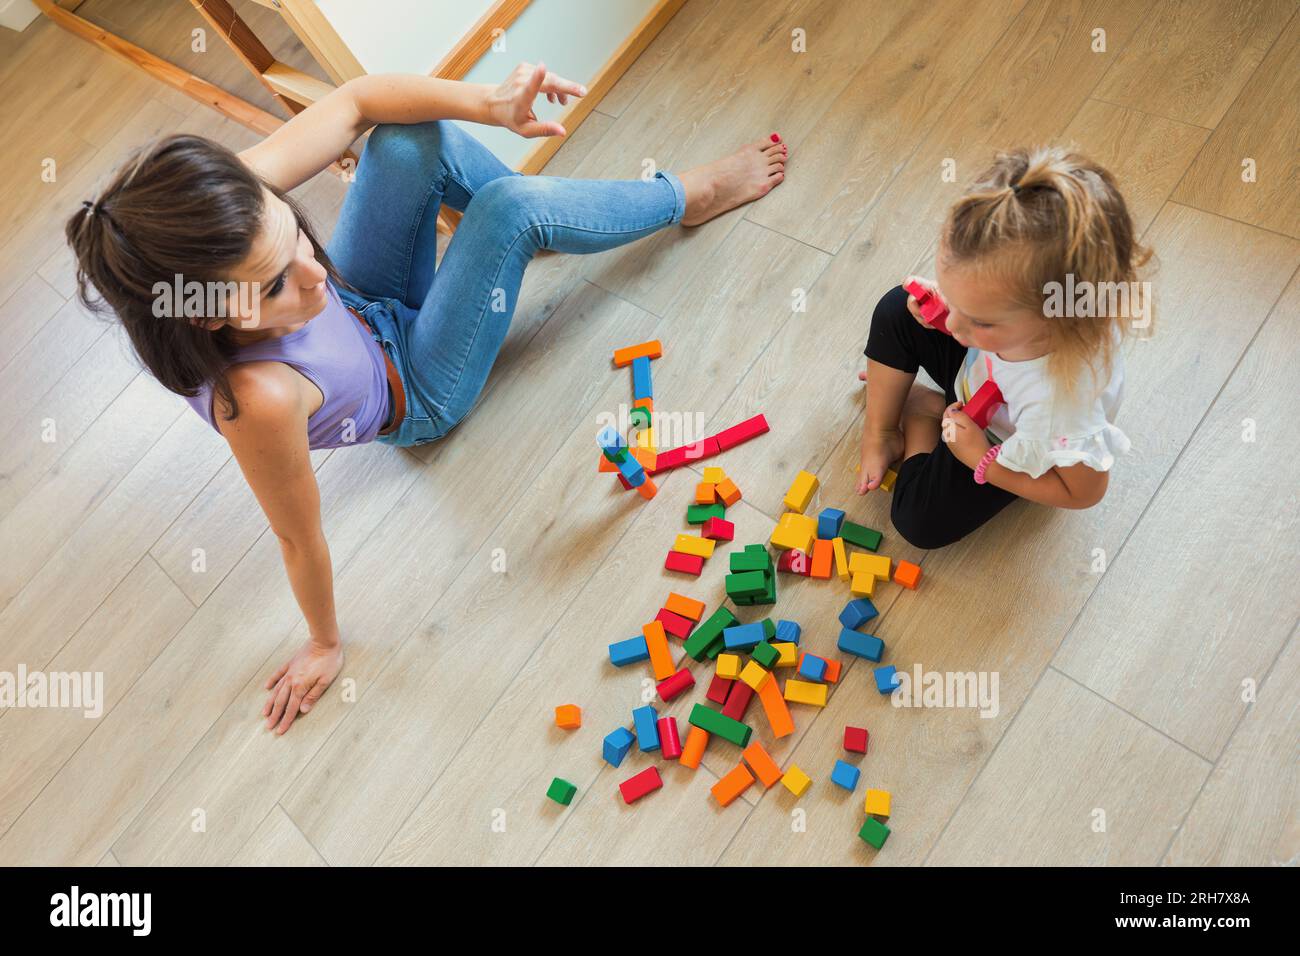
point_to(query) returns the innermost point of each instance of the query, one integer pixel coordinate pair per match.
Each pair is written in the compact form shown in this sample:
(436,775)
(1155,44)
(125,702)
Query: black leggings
(936,500)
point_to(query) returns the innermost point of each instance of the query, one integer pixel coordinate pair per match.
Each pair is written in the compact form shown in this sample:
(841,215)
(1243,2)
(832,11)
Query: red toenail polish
(776,138)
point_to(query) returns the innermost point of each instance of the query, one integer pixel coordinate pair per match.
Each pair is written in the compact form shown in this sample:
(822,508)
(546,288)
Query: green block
(721,725)
(769,629)
(856,534)
(766,655)
(617,457)
(757,549)
(749,561)
(561,791)
(873,831)
(698,514)
(745,584)
(706,640)
(639,417)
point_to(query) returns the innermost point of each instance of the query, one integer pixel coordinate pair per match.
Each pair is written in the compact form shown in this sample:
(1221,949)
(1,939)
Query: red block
(719,687)
(749,428)
(624,482)
(981,405)
(675,624)
(669,742)
(738,700)
(933,311)
(793,561)
(634,788)
(667,460)
(855,739)
(672,686)
(686,563)
(719,529)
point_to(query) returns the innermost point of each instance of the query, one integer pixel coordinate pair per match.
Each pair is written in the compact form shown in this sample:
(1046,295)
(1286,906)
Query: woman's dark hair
(182,207)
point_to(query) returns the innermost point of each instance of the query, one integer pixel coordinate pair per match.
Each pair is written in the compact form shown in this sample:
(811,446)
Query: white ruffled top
(1038,429)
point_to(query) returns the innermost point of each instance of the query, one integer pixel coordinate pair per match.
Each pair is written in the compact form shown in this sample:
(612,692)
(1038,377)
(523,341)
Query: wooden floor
(1145,649)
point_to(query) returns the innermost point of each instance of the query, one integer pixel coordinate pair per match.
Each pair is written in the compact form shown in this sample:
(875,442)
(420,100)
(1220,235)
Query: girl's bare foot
(880,449)
(748,173)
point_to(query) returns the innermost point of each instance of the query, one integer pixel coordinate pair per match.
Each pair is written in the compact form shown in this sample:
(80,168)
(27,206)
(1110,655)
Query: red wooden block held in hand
(933,311)
(981,405)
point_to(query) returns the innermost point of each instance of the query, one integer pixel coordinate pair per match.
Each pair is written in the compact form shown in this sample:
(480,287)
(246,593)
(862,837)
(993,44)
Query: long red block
(675,624)
(749,428)
(634,788)
(738,700)
(686,563)
(670,743)
(672,686)
(719,688)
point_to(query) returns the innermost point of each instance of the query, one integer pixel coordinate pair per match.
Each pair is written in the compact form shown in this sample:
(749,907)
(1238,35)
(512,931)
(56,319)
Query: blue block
(632,471)
(743,636)
(845,775)
(610,440)
(886,679)
(646,722)
(787,632)
(861,645)
(856,613)
(622,653)
(641,379)
(617,745)
(829,522)
(813,667)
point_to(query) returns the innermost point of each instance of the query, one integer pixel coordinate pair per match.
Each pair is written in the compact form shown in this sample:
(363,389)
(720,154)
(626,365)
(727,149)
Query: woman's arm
(318,135)
(269,440)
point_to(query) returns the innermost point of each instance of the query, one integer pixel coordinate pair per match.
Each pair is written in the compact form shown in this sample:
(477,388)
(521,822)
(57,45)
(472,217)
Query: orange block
(731,786)
(822,557)
(568,716)
(647,489)
(647,403)
(693,751)
(686,607)
(653,350)
(607,465)
(706,492)
(728,492)
(907,574)
(761,762)
(661,659)
(778,714)
(832,668)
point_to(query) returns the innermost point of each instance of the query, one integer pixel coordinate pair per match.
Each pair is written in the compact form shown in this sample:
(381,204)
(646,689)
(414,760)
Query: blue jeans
(443,331)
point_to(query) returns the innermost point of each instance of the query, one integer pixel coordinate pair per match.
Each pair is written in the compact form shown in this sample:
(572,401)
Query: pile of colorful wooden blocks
(713,496)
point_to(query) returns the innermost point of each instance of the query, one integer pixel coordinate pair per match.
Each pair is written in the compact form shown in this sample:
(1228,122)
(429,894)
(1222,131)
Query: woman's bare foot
(748,173)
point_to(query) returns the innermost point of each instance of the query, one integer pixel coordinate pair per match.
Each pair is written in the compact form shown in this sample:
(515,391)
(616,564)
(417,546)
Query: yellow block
(754,675)
(877,565)
(796,781)
(864,584)
(690,544)
(714,475)
(804,692)
(729,666)
(789,654)
(841,559)
(645,438)
(878,803)
(794,531)
(888,481)
(801,491)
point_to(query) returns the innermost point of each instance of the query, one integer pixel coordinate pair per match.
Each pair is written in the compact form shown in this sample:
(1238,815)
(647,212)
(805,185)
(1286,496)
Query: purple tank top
(342,360)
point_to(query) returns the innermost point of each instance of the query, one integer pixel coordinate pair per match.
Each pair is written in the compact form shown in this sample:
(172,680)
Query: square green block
(766,655)
(720,725)
(706,640)
(860,536)
(698,514)
(639,417)
(769,629)
(561,791)
(874,832)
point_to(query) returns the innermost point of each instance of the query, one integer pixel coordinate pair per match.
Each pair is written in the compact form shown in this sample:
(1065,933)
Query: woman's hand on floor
(298,684)
(511,104)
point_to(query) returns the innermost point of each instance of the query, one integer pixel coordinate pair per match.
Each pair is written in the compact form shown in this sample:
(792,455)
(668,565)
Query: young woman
(301,350)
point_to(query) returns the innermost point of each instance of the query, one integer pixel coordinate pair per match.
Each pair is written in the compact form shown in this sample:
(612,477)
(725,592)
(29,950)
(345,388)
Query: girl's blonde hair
(1036,216)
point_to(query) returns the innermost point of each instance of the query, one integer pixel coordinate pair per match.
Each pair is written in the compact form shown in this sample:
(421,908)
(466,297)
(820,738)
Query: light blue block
(886,678)
(646,722)
(610,440)
(634,649)
(743,636)
(641,387)
(858,612)
(861,645)
(787,632)
(617,744)
(845,775)
(829,522)
(813,667)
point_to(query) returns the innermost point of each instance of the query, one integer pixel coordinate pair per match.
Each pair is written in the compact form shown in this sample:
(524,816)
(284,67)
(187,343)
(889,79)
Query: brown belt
(394,384)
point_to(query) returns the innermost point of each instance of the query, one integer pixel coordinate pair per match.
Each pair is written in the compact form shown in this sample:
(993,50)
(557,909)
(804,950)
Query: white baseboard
(17,14)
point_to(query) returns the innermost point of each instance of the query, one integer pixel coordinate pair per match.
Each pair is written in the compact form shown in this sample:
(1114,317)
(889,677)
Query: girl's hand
(963,436)
(912,305)
(511,104)
(298,684)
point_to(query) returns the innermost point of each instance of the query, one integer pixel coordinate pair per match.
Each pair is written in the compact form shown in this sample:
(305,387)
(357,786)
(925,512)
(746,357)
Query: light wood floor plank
(23,314)
(277,842)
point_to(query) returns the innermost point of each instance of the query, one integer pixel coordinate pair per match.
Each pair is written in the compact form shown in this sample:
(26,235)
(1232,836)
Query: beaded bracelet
(984,463)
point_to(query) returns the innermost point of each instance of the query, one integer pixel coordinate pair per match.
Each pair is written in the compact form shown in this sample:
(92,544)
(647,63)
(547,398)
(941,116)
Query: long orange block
(661,658)
(652,349)
(731,786)
(778,714)
(686,607)
(822,557)
(761,762)
(693,751)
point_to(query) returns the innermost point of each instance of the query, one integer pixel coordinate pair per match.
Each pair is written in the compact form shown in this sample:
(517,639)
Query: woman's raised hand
(511,104)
